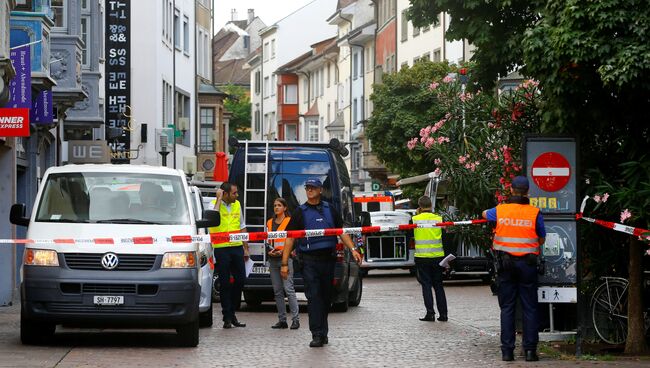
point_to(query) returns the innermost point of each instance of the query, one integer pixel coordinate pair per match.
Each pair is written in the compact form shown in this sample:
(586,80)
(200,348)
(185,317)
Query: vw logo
(110,261)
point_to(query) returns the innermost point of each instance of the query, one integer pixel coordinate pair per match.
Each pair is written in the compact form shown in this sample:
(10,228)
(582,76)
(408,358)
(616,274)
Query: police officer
(518,237)
(230,256)
(428,254)
(318,256)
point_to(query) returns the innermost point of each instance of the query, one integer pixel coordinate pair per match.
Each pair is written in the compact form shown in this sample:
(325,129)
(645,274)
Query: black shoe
(227,324)
(531,356)
(430,317)
(317,342)
(280,325)
(295,325)
(507,356)
(236,323)
(443,319)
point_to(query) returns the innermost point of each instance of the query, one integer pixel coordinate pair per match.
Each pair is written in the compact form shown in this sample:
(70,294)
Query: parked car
(389,250)
(159,285)
(267,170)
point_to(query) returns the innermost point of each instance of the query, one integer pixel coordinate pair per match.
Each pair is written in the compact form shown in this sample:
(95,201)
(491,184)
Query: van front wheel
(188,334)
(35,332)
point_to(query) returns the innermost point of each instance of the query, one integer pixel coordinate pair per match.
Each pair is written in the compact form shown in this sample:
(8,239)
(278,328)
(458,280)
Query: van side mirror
(210,218)
(365,219)
(17,215)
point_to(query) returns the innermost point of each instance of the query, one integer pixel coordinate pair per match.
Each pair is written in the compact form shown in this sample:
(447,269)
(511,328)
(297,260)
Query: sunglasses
(309,187)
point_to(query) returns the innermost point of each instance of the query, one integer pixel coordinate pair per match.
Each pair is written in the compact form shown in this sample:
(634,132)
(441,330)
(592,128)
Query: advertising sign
(88,152)
(14,122)
(118,78)
(20,87)
(550,164)
(41,112)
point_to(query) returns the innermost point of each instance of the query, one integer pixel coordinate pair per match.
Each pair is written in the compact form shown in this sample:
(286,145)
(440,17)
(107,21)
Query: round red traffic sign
(551,171)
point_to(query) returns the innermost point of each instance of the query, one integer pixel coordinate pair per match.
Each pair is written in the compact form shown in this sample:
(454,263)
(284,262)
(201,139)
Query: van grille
(109,288)
(146,309)
(127,262)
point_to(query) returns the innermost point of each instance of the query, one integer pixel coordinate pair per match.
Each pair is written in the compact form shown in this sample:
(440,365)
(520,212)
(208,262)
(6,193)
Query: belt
(317,257)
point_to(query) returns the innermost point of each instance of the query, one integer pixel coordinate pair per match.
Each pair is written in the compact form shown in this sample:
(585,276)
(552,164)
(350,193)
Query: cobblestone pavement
(384,331)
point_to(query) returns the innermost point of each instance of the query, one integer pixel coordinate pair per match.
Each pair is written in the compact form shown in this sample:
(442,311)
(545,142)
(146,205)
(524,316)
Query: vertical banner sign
(118,78)
(41,112)
(20,87)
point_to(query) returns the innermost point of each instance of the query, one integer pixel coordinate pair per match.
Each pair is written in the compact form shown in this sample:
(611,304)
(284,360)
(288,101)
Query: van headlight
(41,257)
(179,260)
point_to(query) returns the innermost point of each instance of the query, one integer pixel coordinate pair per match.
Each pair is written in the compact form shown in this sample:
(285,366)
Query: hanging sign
(20,87)
(14,122)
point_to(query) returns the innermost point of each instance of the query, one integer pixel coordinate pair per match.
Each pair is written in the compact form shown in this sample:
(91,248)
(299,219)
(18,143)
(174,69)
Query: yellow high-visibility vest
(428,241)
(230,223)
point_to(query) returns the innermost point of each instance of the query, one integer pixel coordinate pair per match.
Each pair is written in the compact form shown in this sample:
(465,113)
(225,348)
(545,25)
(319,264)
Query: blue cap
(314,182)
(520,182)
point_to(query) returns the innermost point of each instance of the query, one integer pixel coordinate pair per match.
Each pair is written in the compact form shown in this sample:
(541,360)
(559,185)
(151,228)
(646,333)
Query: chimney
(251,15)
(233,15)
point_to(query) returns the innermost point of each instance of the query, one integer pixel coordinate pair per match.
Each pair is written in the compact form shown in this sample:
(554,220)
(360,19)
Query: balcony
(65,64)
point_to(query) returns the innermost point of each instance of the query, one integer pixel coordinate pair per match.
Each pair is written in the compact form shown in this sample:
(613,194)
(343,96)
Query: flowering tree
(476,144)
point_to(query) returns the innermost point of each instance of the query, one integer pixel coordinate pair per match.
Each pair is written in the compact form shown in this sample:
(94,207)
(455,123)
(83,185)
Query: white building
(163,79)
(428,43)
(282,42)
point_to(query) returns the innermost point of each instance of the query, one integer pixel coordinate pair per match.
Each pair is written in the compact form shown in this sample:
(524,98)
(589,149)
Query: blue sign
(41,112)
(20,88)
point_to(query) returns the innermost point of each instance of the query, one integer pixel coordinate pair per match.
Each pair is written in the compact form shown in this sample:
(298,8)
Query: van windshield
(126,198)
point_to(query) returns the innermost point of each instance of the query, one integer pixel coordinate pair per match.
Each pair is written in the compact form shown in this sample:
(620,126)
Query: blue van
(265,170)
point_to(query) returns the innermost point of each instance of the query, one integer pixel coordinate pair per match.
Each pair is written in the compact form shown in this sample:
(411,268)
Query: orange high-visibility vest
(515,231)
(278,244)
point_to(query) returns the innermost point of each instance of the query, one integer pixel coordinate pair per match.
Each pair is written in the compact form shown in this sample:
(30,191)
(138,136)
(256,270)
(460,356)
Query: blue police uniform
(518,277)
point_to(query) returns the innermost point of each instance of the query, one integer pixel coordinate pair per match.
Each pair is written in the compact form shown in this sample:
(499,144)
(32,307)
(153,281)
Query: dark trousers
(520,280)
(230,261)
(430,276)
(318,275)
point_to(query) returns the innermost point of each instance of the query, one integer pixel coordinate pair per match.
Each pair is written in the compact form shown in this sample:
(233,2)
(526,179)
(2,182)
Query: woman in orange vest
(279,222)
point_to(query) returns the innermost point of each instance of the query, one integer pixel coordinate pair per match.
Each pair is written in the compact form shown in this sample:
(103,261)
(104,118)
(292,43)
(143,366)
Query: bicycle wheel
(609,311)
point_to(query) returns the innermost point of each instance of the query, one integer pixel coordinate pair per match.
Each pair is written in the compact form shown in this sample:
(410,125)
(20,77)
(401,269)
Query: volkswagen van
(115,264)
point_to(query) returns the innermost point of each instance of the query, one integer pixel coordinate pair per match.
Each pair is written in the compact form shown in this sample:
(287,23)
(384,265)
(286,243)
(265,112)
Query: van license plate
(108,299)
(260,269)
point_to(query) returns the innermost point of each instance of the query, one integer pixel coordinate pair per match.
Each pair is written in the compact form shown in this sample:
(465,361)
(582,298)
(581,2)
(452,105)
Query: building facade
(282,42)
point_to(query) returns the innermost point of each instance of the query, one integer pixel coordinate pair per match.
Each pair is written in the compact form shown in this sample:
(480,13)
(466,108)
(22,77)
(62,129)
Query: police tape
(636,231)
(238,236)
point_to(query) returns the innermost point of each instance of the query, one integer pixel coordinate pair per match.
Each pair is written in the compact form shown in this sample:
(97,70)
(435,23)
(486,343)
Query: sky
(270,11)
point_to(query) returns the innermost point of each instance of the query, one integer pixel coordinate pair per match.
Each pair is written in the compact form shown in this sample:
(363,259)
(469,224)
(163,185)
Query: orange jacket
(278,243)
(515,231)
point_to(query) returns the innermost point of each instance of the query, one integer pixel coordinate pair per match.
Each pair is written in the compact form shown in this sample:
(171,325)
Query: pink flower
(625,215)
(412,143)
(465,96)
(447,79)
(597,198)
(430,142)
(433,86)
(437,162)
(605,196)
(462,159)
(587,181)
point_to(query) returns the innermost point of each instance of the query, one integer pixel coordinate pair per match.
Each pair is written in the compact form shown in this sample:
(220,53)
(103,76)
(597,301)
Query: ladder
(256,196)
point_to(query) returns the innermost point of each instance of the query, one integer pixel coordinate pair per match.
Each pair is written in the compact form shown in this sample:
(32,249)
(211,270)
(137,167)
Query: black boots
(280,325)
(317,342)
(531,356)
(232,323)
(430,317)
(507,355)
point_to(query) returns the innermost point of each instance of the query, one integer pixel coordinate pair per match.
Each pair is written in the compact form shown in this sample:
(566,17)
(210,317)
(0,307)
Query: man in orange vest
(518,238)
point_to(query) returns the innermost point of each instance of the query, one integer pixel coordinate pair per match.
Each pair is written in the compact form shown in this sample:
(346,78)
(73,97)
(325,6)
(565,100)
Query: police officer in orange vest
(518,237)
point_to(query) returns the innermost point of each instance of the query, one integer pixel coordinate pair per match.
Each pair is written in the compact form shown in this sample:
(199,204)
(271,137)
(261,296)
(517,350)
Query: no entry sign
(551,171)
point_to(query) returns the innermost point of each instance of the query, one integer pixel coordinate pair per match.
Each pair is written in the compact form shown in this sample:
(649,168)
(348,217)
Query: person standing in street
(230,256)
(317,255)
(279,222)
(428,254)
(518,237)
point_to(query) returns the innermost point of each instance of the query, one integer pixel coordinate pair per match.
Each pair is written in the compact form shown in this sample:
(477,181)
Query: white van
(125,284)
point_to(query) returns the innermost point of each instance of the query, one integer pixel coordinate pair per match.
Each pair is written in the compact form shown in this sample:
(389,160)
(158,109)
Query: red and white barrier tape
(636,231)
(225,237)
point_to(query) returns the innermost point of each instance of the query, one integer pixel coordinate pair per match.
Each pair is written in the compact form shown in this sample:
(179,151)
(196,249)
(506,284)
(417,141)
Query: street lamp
(189,166)
(164,143)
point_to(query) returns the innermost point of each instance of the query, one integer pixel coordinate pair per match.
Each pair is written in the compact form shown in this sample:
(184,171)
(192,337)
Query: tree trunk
(635,343)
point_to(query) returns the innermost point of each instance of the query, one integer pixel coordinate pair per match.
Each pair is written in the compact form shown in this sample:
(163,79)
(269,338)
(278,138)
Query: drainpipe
(444,38)
(174,75)
(351,71)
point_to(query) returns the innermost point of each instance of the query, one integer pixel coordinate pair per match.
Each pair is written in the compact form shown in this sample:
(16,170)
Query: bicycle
(609,310)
